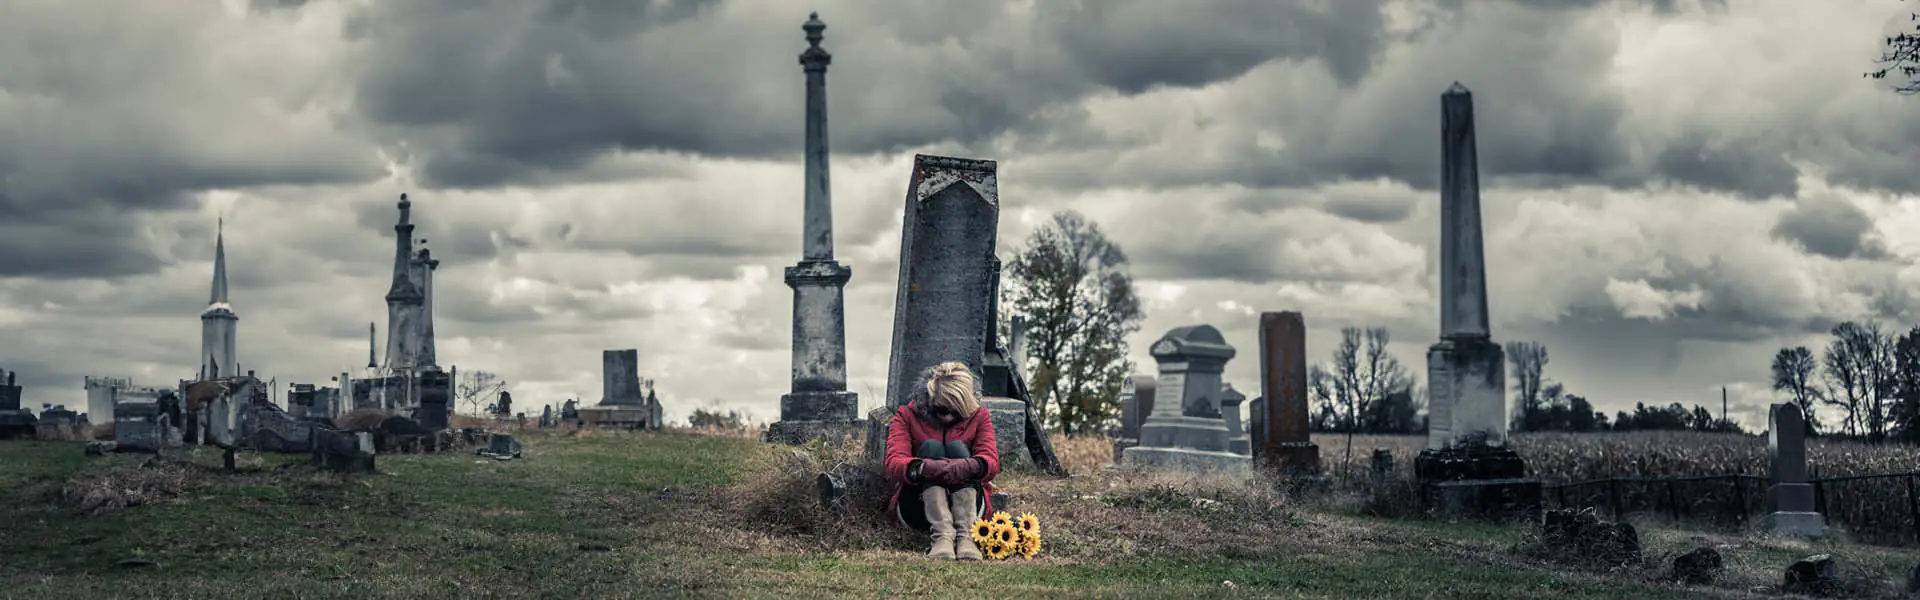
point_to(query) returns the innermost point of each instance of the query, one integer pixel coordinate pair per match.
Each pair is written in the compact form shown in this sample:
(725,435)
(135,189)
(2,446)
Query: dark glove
(942,471)
(913,470)
(952,471)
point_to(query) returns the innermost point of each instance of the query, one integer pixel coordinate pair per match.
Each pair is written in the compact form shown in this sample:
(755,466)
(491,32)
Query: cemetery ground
(681,514)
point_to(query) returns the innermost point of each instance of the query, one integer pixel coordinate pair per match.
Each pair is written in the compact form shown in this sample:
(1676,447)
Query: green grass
(647,516)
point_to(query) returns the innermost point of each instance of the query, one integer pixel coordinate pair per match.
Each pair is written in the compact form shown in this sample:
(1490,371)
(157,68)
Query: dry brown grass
(361,419)
(108,490)
(53,433)
(1084,453)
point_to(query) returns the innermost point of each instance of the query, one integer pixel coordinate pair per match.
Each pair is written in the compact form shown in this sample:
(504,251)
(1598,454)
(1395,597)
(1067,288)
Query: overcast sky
(1674,189)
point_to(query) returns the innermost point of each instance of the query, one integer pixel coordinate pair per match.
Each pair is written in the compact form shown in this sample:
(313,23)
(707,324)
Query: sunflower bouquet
(1001,536)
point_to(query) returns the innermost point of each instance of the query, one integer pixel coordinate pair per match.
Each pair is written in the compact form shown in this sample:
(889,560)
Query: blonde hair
(951,385)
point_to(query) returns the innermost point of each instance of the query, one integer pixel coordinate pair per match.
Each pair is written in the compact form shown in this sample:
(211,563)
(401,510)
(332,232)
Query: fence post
(1740,499)
(1913,505)
(1820,496)
(1673,508)
(1613,498)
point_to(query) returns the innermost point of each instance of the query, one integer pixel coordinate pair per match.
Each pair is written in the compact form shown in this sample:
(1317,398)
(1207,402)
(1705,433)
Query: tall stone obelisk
(1468,466)
(818,403)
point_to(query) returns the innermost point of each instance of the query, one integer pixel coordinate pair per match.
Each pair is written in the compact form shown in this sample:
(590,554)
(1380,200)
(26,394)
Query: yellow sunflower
(1001,518)
(1028,522)
(982,531)
(997,550)
(1029,544)
(1006,535)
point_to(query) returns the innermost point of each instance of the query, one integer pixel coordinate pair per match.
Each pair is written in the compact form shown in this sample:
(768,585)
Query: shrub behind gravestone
(1698,567)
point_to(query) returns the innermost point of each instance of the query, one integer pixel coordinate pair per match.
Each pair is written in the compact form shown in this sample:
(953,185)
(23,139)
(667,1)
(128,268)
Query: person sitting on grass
(942,456)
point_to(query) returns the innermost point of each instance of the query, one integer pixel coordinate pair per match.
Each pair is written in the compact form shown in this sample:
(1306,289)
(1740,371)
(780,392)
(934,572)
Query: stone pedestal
(1493,499)
(835,415)
(1803,524)
(615,417)
(1009,431)
(1185,431)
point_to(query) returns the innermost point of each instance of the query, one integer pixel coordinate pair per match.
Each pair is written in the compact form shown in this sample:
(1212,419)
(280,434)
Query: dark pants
(909,508)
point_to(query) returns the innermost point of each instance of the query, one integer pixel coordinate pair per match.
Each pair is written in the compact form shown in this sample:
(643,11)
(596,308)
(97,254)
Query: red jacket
(912,425)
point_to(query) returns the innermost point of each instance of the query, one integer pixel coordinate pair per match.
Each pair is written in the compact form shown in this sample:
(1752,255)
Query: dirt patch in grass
(112,489)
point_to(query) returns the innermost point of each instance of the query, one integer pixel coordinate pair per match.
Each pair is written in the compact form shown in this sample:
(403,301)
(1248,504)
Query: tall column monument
(1468,466)
(818,403)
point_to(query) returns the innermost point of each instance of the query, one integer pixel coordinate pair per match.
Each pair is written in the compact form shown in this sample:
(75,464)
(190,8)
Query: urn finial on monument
(815,58)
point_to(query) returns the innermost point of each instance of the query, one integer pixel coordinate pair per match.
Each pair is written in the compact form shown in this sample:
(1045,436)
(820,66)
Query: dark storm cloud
(114,112)
(1830,227)
(496,92)
(1136,45)
(1755,167)
(1371,208)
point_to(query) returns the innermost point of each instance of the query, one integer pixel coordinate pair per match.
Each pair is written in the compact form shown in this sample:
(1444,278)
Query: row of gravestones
(1188,419)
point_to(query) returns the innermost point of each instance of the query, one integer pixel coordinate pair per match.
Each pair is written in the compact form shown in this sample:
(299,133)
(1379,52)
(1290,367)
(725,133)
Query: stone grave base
(1808,524)
(1469,462)
(821,406)
(801,432)
(614,417)
(1240,445)
(1009,431)
(1188,460)
(1200,433)
(1121,445)
(1494,499)
(1293,458)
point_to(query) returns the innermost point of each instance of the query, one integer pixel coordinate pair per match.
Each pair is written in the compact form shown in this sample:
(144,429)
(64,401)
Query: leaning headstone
(1468,467)
(1382,464)
(947,240)
(1285,445)
(1136,401)
(1237,440)
(1185,432)
(1032,447)
(1790,498)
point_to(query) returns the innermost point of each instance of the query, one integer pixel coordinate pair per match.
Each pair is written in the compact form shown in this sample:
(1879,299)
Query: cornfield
(1572,457)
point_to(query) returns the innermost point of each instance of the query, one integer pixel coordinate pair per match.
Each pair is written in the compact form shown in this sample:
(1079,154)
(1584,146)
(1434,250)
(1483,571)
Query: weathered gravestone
(139,427)
(14,422)
(436,400)
(817,404)
(344,451)
(1023,439)
(1468,468)
(1238,442)
(1185,431)
(1790,503)
(1136,402)
(946,277)
(622,403)
(1281,421)
(501,446)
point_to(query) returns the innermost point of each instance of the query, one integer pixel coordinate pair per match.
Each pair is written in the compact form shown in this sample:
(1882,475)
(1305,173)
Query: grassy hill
(668,515)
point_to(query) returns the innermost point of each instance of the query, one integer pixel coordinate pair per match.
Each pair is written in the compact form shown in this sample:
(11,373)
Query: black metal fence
(1877,509)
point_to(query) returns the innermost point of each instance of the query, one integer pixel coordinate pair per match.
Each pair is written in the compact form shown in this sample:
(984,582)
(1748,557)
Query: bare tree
(1072,286)
(1529,360)
(1906,386)
(1359,380)
(475,387)
(1900,58)
(1858,368)
(1794,372)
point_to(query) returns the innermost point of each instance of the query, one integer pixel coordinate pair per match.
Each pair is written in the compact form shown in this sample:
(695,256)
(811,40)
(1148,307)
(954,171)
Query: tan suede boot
(936,500)
(966,510)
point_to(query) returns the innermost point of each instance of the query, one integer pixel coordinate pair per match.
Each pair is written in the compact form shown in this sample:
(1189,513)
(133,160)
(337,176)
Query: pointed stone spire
(817,237)
(372,360)
(219,295)
(403,288)
(1463,265)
